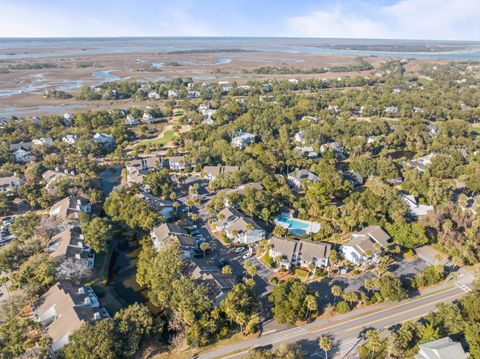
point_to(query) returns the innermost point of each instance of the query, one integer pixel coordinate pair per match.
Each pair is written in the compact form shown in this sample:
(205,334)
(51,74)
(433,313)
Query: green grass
(167,137)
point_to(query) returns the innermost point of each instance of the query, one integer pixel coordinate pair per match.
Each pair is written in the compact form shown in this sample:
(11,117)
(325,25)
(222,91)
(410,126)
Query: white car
(247,255)
(239,249)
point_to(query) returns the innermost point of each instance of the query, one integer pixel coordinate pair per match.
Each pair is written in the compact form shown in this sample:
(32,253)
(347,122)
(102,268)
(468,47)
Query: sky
(384,19)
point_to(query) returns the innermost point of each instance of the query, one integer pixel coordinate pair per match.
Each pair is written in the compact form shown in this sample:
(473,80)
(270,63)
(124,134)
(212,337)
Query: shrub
(301,272)
(342,307)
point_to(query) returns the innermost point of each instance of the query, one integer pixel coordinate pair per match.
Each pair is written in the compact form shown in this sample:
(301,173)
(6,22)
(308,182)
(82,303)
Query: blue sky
(404,19)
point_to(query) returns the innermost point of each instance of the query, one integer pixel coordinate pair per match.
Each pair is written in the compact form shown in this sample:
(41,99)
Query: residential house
(392,110)
(298,178)
(10,183)
(172,93)
(43,141)
(334,108)
(336,148)
(170,233)
(103,138)
(176,163)
(209,276)
(67,119)
(131,120)
(51,176)
(299,137)
(70,139)
(416,210)
(64,308)
(243,139)
(75,259)
(310,119)
(193,94)
(299,253)
(239,228)
(212,172)
(69,208)
(148,118)
(432,256)
(421,163)
(23,156)
(139,168)
(366,245)
(22,151)
(444,348)
(307,151)
(154,95)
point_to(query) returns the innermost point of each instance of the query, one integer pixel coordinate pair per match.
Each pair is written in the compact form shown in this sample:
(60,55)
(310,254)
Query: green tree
(326,345)
(289,301)
(97,232)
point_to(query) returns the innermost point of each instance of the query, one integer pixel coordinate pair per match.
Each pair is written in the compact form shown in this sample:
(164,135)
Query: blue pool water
(292,223)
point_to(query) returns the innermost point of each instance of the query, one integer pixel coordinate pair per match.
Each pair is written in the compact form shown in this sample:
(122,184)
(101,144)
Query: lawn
(167,137)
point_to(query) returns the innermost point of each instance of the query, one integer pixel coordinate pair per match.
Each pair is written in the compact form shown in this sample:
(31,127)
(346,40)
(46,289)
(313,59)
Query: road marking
(270,331)
(401,313)
(463,287)
(380,311)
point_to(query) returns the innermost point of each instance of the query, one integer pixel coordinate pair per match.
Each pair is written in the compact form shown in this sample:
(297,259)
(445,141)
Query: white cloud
(334,23)
(42,21)
(407,19)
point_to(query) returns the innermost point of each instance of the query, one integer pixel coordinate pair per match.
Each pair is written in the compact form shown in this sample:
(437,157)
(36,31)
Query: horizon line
(224,37)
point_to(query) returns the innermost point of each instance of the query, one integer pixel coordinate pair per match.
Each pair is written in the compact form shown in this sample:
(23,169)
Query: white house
(212,172)
(366,245)
(299,137)
(243,139)
(172,93)
(154,95)
(298,178)
(131,120)
(103,139)
(23,156)
(10,183)
(67,119)
(444,348)
(307,151)
(43,141)
(238,228)
(147,117)
(170,233)
(421,163)
(70,139)
(416,210)
(301,253)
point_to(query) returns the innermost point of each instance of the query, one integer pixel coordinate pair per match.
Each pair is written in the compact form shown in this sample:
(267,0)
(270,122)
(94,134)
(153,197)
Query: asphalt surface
(344,330)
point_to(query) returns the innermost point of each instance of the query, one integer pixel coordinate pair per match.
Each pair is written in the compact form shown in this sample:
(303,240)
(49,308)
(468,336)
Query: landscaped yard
(165,138)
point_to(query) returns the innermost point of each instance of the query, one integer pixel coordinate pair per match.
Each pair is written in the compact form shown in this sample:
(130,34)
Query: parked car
(239,249)
(247,255)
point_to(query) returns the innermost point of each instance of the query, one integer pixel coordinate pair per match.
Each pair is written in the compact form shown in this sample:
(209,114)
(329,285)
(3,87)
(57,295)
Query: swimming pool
(296,226)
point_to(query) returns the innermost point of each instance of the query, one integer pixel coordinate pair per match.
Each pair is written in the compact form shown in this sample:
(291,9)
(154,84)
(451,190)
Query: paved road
(345,329)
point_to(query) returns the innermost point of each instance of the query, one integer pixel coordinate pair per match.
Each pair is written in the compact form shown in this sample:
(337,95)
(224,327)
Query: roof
(302,174)
(7,181)
(444,348)
(214,171)
(66,207)
(66,244)
(21,145)
(416,209)
(431,255)
(309,250)
(167,232)
(70,307)
(234,220)
(366,239)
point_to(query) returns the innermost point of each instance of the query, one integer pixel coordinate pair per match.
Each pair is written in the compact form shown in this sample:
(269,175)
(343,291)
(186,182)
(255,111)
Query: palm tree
(251,269)
(203,247)
(336,291)
(447,226)
(373,341)
(311,304)
(326,345)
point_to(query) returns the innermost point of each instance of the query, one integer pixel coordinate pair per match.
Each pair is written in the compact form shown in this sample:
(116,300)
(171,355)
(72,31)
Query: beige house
(212,172)
(301,253)
(64,308)
(239,228)
(69,208)
(170,233)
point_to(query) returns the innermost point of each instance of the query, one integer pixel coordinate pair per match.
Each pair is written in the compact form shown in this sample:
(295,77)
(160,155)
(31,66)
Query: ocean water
(24,48)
